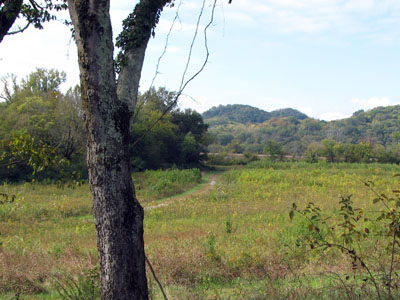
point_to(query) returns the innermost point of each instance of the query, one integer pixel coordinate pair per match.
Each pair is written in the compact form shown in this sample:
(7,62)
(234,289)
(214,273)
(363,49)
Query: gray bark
(108,108)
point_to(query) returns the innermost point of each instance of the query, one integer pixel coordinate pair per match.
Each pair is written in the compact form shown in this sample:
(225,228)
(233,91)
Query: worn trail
(205,187)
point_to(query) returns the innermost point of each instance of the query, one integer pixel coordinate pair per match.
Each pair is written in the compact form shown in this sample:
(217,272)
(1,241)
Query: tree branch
(133,40)
(19,30)
(184,84)
(166,44)
(8,14)
(155,277)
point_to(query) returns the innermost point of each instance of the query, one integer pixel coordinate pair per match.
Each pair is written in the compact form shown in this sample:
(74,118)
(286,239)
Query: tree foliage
(246,114)
(39,116)
(376,131)
(35,110)
(180,138)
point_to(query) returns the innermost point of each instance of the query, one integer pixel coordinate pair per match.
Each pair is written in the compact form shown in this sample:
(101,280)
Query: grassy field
(230,240)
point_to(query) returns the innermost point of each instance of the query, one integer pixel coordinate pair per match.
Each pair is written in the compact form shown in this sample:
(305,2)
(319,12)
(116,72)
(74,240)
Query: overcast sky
(326,58)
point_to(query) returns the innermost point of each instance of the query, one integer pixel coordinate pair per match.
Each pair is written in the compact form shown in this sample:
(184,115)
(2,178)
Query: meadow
(232,239)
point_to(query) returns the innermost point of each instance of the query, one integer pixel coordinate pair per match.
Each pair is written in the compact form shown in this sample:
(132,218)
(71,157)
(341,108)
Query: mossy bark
(108,107)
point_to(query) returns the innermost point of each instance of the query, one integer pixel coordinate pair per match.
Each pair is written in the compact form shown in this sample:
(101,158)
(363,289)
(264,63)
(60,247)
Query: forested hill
(234,130)
(246,114)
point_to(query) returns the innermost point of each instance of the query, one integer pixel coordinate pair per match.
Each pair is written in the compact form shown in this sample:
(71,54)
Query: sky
(326,58)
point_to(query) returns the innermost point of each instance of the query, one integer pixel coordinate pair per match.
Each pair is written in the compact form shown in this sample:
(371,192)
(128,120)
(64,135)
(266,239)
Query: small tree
(274,150)
(329,150)
(313,152)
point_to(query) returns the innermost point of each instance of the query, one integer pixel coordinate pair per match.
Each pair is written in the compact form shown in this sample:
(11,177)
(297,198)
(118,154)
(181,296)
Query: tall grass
(233,241)
(153,185)
(47,229)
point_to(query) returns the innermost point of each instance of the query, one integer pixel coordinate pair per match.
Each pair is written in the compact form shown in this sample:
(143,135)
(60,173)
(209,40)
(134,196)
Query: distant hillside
(246,114)
(379,125)
(234,129)
(288,112)
(238,113)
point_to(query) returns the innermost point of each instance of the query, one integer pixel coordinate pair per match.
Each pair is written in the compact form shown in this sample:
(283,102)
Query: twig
(166,43)
(19,30)
(391,265)
(343,283)
(155,277)
(354,255)
(15,162)
(192,44)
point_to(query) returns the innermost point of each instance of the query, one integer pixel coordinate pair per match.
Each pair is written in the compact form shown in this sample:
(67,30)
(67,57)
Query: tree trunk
(108,107)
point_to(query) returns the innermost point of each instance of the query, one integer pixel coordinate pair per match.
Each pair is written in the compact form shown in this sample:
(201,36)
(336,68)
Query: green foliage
(211,248)
(159,184)
(229,228)
(237,113)
(36,107)
(48,231)
(24,149)
(43,119)
(348,231)
(229,159)
(274,150)
(313,152)
(32,12)
(246,114)
(37,14)
(377,128)
(85,287)
(179,138)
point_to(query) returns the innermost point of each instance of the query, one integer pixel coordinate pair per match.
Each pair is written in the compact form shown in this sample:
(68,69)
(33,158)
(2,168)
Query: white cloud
(318,16)
(240,17)
(357,5)
(329,116)
(371,102)
(173,49)
(308,111)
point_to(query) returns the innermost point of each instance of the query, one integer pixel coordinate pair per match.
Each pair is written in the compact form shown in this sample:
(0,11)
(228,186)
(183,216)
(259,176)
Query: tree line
(289,133)
(43,127)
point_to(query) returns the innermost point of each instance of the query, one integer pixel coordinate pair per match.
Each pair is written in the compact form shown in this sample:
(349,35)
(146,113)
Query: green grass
(233,241)
(155,185)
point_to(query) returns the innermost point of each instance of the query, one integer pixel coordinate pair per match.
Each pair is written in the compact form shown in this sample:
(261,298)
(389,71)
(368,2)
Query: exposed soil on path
(205,188)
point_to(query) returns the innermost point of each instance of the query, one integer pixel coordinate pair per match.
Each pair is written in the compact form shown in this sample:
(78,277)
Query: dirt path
(205,187)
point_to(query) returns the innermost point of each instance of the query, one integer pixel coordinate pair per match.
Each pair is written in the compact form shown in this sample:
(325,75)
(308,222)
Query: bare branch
(12,163)
(19,30)
(155,277)
(35,5)
(192,44)
(166,43)
(207,54)
(184,84)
